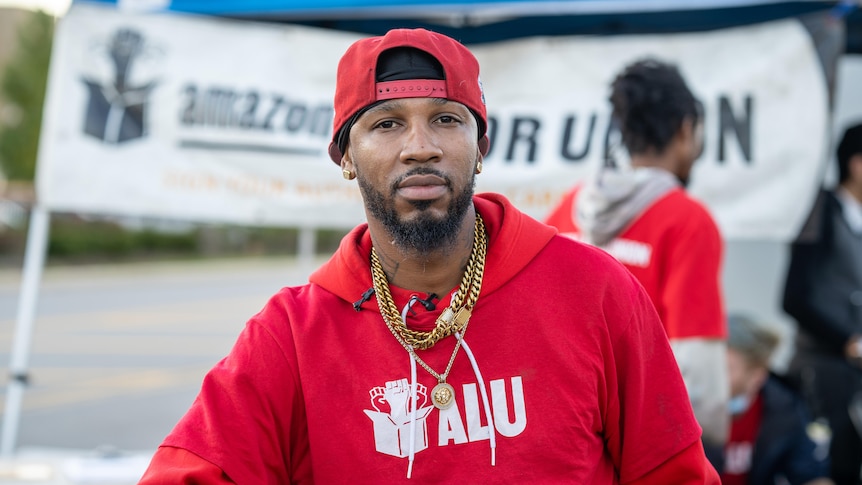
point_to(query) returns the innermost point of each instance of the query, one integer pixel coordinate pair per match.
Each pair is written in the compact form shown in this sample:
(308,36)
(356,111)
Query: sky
(54,7)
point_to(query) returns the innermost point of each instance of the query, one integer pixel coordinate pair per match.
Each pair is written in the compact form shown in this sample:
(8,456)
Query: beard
(425,233)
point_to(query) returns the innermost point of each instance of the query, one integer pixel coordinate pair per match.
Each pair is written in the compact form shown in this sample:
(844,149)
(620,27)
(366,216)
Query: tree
(22,86)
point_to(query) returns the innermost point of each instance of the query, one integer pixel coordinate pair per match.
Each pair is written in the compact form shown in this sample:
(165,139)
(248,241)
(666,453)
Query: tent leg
(34,261)
(306,248)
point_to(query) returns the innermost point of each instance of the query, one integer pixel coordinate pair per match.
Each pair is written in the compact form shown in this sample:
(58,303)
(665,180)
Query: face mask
(738,405)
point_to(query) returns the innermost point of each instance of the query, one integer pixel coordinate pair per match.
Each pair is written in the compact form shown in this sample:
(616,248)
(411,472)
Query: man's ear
(689,137)
(347,169)
(347,164)
(687,129)
(855,166)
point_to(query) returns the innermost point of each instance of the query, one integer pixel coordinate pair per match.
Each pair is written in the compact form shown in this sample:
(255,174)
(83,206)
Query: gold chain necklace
(453,319)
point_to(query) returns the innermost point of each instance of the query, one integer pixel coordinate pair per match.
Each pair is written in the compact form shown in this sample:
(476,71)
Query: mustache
(421,171)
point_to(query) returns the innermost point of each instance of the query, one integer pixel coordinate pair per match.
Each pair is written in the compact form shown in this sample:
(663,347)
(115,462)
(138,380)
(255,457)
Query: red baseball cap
(357,87)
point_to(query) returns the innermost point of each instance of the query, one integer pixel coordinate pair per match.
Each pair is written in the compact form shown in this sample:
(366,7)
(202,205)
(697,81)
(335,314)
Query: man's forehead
(402,103)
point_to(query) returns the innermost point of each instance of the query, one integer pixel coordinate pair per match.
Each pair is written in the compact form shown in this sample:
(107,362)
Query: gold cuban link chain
(455,317)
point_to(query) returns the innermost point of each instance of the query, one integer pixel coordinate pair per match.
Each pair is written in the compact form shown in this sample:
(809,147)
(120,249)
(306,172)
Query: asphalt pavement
(118,354)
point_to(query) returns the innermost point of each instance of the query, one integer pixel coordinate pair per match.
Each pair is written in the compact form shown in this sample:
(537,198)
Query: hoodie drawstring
(413,384)
(492,428)
(413,406)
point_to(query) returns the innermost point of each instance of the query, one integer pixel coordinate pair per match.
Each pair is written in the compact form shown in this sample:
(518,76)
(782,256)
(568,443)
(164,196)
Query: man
(366,375)
(769,441)
(642,215)
(823,293)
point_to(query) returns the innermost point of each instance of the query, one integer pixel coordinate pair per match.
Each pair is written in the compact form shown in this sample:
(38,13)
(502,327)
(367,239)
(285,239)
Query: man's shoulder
(679,200)
(290,305)
(819,222)
(679,208)
(570,256)
(781,394)
(568,246)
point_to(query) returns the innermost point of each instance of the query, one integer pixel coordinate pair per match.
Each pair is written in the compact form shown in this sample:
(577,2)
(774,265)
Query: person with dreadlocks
(642,215)
(451,338)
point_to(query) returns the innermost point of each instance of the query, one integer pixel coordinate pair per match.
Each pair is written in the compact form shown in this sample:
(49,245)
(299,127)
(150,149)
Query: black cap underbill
(402,63)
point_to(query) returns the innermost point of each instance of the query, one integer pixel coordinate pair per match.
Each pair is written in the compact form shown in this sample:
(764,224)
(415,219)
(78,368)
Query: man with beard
(642,215)
(365,374)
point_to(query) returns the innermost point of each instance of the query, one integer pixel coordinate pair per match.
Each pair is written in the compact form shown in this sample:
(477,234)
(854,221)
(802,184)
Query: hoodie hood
(612,198)
(514,239)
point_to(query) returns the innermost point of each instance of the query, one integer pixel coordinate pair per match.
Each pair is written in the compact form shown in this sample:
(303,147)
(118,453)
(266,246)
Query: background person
(370,374)
(642,215)
(823,293)
(769,441)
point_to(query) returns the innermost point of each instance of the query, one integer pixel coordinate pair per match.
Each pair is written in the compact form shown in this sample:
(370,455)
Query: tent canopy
(477,21)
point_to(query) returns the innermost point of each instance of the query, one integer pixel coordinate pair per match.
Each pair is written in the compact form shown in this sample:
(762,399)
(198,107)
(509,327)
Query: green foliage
(74,239)
(22,86)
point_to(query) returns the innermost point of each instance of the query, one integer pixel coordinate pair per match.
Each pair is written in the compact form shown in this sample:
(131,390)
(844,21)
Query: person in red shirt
(451,338)
(642,215)
(769,438)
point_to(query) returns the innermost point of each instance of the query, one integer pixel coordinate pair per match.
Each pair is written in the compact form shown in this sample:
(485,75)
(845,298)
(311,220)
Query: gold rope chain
(454,318)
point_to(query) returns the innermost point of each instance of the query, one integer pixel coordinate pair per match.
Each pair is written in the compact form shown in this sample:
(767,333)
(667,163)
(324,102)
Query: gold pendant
(443,396)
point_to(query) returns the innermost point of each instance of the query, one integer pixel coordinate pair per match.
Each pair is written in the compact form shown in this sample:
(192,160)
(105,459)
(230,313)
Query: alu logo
(391,416)
(117,109)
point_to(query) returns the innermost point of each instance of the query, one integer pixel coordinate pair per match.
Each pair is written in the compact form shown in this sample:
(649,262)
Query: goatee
(425,233)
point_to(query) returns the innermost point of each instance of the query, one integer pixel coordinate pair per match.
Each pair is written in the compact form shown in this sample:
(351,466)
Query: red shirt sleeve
(688,467)
(176,466)
(691,294)
(249,418)
(649,417)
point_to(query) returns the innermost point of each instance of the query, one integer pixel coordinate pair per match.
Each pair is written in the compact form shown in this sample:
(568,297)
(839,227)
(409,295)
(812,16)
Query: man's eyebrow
(385,106)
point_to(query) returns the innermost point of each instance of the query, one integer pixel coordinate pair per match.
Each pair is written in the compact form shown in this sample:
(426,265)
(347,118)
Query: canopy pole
(34,262)
(306,248)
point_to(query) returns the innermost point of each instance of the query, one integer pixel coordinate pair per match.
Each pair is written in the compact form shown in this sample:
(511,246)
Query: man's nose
(421,144)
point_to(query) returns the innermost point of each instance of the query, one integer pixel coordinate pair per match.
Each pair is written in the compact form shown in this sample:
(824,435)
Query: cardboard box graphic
(392,417)
(393,438)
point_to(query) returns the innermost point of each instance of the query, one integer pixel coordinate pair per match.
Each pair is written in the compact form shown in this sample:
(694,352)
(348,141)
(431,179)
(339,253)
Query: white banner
(221,120)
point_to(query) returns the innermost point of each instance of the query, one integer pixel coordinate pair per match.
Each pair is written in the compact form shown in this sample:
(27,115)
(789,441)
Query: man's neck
(662,161)
(854,190)
(438,271)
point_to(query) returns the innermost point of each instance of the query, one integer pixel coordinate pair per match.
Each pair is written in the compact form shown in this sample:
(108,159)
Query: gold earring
(479,166)
(347,174)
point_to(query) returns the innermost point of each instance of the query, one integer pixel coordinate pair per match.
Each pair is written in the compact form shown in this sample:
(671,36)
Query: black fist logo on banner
(117,109)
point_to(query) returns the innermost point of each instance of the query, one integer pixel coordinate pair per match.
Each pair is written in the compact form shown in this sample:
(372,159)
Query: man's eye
(386,124)
(447,119)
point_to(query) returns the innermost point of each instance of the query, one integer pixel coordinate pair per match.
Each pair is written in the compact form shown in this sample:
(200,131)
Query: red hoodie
(581,383)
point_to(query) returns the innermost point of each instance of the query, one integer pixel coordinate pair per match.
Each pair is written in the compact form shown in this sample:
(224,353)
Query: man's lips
(422,187)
